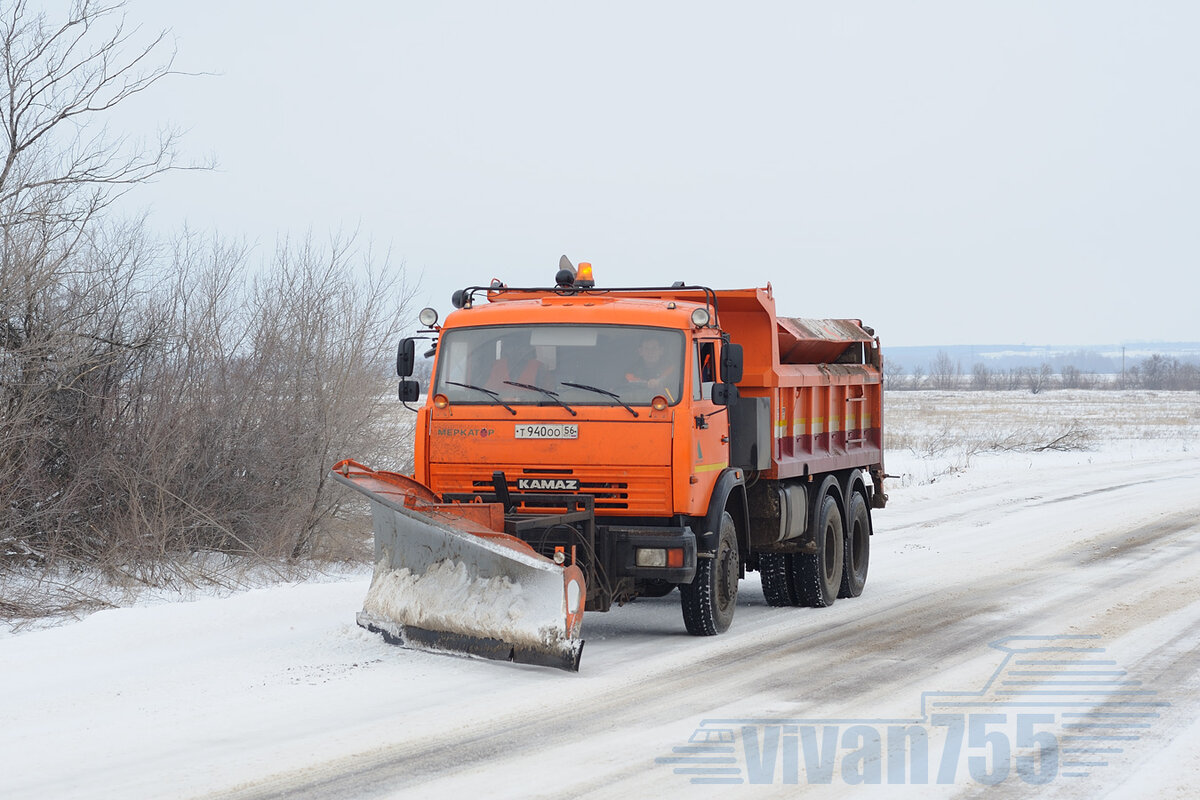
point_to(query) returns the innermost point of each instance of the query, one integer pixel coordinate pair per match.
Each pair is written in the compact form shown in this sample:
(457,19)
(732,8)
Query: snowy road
(275,693)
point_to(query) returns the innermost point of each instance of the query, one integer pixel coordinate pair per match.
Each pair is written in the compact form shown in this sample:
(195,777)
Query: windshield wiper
(598,390)
(494,395)
(552,395)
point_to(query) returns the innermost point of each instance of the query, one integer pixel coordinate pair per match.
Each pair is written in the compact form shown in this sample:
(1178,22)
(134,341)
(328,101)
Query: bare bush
(197,413)
(1071,437)
(953,447)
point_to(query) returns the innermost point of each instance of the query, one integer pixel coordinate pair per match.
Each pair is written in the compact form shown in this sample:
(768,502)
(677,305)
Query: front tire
(708,602)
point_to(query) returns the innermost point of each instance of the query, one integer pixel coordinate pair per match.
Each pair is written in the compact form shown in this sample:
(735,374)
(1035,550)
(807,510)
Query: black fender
(856,481)
(817,491)
(729,493)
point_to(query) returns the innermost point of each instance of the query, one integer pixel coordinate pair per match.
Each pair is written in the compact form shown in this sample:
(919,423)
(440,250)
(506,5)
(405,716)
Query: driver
(653,370)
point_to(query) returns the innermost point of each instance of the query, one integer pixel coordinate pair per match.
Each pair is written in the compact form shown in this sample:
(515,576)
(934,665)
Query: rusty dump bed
(823,378)
(820,341)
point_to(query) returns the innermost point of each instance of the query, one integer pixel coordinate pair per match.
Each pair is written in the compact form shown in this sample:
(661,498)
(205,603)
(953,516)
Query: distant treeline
(1157,372)
(1101,359)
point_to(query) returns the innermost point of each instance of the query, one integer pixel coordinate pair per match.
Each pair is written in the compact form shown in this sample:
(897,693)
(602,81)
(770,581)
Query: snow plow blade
(448,579)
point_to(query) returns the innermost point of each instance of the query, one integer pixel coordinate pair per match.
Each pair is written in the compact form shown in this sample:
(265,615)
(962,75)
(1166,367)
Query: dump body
(824,380)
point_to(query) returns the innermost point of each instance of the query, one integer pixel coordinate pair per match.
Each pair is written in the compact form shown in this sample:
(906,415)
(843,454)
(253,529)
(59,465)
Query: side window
(706,369)
(708,362)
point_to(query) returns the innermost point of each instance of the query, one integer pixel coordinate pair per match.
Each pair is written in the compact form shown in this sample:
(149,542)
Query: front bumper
(627,539)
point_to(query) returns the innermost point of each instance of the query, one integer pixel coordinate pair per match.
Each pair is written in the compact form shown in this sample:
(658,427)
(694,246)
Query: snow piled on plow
(448,598)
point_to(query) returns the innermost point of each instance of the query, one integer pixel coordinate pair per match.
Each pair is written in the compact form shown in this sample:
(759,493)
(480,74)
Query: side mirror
(724,394)
(731,363)
(406,355)
(410,391)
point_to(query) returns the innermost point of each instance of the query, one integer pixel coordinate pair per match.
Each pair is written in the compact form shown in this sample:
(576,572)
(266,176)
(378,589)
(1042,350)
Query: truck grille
(628,490)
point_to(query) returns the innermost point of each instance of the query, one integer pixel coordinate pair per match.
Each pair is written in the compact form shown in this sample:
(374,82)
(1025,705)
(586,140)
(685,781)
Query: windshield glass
(632,363)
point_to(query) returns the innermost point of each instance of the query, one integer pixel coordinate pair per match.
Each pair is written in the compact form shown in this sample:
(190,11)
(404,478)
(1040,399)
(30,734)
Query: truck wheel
(709,600)
(817,577)
(857,548)
(776,579)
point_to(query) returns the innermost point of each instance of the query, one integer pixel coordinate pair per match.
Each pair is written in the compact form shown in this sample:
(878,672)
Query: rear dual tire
(817,577)
(775,570)
(857,548)
(838,568)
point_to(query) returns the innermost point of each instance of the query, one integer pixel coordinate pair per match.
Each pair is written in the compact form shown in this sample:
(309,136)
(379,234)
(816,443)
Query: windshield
(608,364)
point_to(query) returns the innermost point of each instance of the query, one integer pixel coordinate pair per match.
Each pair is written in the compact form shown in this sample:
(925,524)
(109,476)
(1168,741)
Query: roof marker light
(584,276)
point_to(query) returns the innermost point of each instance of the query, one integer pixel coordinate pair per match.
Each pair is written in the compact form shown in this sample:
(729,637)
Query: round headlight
(428,317)
(440,401)
(659,403)
(700,317)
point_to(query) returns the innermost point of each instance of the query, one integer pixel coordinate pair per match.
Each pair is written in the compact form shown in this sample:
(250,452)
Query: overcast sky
(950,172)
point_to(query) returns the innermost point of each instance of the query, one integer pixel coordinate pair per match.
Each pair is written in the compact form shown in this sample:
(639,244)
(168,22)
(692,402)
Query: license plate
(536,431)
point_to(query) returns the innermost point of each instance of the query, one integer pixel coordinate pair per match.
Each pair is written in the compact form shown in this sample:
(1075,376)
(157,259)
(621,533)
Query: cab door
(709,425)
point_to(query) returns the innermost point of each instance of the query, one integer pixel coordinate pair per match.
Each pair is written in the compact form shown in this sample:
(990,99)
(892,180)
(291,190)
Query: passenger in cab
(517,362)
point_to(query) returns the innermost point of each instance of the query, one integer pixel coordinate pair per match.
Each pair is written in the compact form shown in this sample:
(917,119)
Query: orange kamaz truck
(580,446)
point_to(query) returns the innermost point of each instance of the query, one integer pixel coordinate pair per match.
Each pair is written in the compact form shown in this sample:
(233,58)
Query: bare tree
(1040,379)
(981,378)
(1012,378)
(59,81)
(944,372)
(66,280)
(893,374)
(1161,372)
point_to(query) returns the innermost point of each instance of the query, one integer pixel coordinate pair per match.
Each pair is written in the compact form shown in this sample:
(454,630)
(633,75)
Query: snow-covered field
(1031,626)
